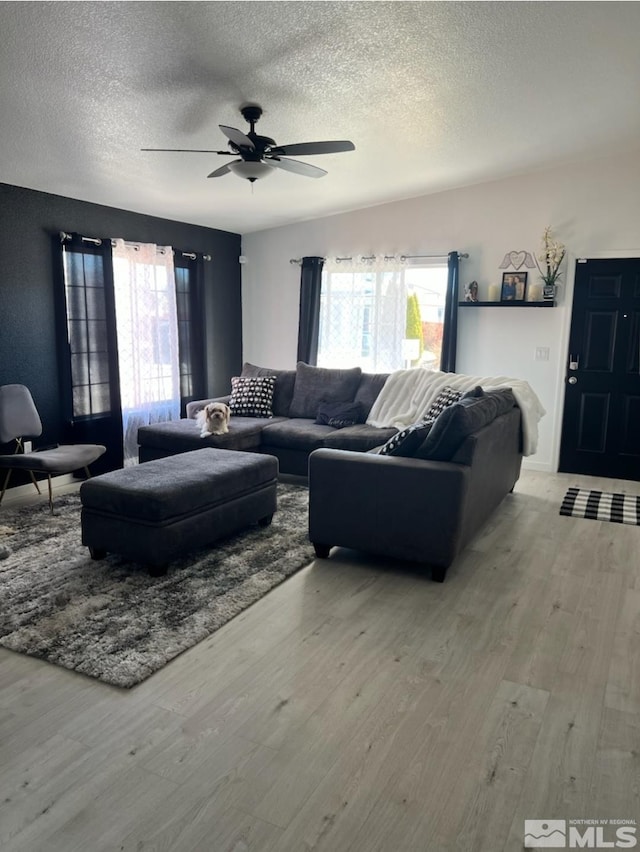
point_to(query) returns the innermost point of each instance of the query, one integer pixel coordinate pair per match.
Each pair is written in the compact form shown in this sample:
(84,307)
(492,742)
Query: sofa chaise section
(183,436)
(413,509)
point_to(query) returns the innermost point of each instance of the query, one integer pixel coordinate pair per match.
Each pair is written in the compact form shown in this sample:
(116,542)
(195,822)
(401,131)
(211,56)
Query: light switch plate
(542,353)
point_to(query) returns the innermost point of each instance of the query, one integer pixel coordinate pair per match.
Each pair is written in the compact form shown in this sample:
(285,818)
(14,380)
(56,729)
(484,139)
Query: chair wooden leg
(50,493)
(35,481)
(4,485)
(86,470)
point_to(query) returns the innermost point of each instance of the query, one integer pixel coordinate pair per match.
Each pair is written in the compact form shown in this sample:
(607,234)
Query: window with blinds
(88,331)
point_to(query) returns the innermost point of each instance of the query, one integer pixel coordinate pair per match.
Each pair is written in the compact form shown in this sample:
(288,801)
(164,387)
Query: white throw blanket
(407,394)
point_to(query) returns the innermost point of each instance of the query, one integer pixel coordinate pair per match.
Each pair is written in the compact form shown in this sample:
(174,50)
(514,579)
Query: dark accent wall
(29,221)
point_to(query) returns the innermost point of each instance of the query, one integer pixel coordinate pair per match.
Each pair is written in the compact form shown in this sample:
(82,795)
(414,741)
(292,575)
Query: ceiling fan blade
(297,167)
(188,150)
(236,136)
(305,149)
(223,170)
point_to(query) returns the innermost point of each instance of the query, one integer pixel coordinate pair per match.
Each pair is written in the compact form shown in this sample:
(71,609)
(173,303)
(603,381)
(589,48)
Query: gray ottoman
(161,509)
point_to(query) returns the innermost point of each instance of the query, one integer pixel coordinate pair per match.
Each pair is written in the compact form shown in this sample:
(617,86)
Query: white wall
(593,207)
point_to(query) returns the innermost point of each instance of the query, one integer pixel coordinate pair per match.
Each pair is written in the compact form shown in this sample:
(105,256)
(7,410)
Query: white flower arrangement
(551,257)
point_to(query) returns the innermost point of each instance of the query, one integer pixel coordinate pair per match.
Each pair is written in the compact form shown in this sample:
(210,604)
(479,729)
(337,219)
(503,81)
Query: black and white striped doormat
(601,506)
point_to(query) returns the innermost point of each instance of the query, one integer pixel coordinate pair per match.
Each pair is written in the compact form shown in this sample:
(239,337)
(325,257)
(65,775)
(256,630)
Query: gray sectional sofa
(292,433)
(423,503)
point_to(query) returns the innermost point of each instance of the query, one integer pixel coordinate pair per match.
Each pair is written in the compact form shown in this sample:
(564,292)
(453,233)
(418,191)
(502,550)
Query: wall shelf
(507,304)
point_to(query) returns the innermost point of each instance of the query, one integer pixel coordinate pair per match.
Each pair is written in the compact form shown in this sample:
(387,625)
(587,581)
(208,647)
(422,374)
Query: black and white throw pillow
(445,398)
(252,396)
(406,442)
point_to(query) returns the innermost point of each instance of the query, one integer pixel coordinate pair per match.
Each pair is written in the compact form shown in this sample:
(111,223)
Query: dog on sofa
(214,419)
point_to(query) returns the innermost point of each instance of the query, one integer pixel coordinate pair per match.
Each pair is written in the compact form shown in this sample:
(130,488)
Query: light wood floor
(359,707)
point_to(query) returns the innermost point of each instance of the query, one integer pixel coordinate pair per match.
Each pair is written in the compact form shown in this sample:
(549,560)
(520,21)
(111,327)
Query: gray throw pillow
(474,393)
(283,392)
(339,414)
(368,391)
(455,424)
(315,385)
(504,398)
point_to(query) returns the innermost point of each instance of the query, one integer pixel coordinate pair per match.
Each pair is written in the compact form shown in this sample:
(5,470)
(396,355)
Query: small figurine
(472,292)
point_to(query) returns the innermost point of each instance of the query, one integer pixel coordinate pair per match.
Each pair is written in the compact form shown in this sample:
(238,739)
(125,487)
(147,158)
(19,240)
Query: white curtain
(364,312)
(147,331)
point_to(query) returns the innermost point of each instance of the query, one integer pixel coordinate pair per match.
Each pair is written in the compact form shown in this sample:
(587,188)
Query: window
(382,318)
(132,336)
(87,331)
(146,327)
(90,336)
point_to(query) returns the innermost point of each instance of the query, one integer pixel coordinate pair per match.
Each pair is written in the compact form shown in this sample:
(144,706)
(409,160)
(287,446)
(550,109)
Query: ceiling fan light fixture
(251,171)
(259,156)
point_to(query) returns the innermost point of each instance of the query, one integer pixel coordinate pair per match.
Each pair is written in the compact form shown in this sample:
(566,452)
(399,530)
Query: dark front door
(601,422)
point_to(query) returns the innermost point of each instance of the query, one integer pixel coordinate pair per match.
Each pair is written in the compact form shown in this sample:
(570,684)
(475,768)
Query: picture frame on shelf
(514,287)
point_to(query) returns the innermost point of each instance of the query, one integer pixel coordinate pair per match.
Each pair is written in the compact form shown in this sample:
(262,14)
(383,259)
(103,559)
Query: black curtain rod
(65,237)
(401,257)
(414,256)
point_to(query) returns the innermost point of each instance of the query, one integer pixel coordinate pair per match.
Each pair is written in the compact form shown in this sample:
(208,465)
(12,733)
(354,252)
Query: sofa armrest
(403,507)
(198,404)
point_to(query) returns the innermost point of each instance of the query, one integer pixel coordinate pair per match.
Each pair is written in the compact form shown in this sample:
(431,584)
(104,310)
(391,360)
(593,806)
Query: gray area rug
(109,619)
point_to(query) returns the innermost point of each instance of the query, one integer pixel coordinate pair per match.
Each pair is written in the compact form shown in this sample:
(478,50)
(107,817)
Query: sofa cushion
(319,384)
(360,438)
(474,393)
(455,424)
(368,391)
(252,396)
(504,398)
(283,393)
(299,434)
(339,414)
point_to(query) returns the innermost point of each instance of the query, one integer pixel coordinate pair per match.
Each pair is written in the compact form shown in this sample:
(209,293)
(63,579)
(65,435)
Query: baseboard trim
(545,467)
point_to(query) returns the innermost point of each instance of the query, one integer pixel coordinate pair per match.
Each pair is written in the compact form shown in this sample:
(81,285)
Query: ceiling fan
(259,155)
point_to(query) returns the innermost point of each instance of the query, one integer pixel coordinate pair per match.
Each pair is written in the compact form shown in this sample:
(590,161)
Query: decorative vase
(549,292)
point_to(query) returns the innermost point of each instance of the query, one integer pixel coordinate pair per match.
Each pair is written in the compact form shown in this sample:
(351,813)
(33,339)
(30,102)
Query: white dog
(214,419)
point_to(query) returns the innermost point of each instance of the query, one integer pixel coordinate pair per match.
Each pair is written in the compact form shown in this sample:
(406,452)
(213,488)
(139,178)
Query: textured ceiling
(434,95)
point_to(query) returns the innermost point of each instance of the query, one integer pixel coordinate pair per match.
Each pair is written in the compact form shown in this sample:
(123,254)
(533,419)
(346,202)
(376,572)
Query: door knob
(573,380)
